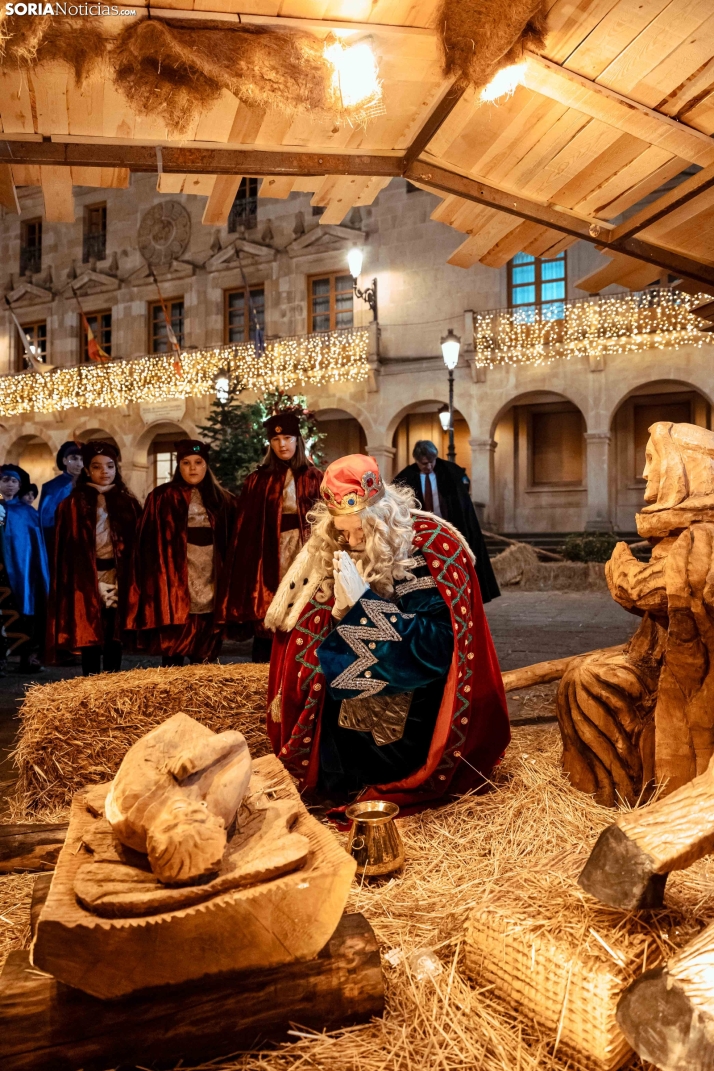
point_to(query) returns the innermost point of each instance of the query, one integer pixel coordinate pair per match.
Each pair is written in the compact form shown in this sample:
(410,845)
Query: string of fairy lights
(315,359)
(650,319)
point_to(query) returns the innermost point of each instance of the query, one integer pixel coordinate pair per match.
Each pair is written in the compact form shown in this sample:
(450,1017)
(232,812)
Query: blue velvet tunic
(384,648)
(25,556)
(53,492)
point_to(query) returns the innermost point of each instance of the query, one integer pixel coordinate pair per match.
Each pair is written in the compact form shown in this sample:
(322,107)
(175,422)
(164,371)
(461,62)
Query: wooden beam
(293,22)
(47,1026)
(670,201)
(434,121)
(56,185)
(184,160)
(8,193)
(591,98)
(31,846)
(220,202)
(439,178)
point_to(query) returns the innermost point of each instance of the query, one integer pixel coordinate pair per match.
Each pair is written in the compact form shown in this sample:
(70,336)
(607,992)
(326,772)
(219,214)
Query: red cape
(254,560)
(75,607)
(159,590)
(472,728)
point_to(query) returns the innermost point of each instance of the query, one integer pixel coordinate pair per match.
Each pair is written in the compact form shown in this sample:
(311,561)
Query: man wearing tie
(443,488)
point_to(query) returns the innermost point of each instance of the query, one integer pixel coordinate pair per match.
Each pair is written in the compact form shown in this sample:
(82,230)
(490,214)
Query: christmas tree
(234,432)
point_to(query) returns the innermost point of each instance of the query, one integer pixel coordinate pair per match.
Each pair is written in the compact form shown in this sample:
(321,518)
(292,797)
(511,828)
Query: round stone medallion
(164,233)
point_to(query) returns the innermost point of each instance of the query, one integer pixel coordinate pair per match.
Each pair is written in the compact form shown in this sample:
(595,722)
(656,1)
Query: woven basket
(574,996)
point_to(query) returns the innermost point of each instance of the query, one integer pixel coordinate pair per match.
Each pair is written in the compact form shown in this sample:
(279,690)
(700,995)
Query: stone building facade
(549,447)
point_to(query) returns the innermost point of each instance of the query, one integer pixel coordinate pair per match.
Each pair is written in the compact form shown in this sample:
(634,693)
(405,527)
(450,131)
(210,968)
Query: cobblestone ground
(527,627)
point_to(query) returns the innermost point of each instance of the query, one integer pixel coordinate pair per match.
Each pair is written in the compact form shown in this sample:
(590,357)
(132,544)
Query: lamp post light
(354,260)
(450,348)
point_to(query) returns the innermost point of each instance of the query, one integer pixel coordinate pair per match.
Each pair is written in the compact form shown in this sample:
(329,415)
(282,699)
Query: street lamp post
(450,347)
(354,259)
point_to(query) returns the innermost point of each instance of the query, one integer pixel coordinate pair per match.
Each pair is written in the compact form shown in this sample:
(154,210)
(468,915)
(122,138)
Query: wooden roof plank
(49,84)
(220,200)
(372,188)
(201,185)
(170,183)
(623,150)
(570,23)
(101,177)
(56,185)
(542,242)
(597,203)
(532,166)
(645,186)
(560,246)
(701,114)
(618,29)
(479,244)
(216,123)
(15,102)
(666,32)
(686,96)
(605,104)
(680,216)
(609,273)
(26,174)
(8,193)
(277,188)
(574,159)
(513,242)
(85,107)
(686,191)
(678,67)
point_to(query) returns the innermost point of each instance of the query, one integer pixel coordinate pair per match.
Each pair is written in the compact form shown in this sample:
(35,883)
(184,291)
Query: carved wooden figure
(646,715)
(176,794)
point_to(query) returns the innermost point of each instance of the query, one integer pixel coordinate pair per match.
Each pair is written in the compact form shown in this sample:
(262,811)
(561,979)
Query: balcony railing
(328,357)
(657,318)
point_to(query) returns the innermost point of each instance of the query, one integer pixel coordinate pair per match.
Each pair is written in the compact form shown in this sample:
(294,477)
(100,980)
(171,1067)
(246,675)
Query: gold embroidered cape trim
(355,635)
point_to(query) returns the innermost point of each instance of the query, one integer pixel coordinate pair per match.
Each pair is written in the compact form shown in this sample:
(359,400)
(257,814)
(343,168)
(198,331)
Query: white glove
(109,595)
(350,585)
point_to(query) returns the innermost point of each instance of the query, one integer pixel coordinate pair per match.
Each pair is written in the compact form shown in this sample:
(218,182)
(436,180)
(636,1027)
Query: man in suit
(443,488)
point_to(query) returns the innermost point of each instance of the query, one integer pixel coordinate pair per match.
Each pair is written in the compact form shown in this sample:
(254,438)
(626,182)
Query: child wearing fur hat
(272,527)
(179,562)
(24,562)
(94,538)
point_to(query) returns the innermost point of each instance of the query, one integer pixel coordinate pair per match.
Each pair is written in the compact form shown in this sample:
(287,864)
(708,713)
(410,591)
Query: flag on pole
(94,350)
(170,334)
(34,363)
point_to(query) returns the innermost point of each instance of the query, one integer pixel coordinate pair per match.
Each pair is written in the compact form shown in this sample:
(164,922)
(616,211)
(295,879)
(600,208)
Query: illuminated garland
(650,319)
(326,357)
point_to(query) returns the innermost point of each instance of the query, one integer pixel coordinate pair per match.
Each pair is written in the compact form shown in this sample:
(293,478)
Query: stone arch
(143,475)
(344,433)
(658,399)
(34,454)
(539,464)
(420,420)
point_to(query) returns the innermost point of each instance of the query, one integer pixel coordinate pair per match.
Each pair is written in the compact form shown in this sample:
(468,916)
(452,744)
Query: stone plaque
(171,409)
(164,233)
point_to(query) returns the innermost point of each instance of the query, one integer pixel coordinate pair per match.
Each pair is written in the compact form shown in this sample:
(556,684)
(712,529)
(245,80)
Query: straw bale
(513,562)
(176,71)
(76,732)
(479,37)
(467,855)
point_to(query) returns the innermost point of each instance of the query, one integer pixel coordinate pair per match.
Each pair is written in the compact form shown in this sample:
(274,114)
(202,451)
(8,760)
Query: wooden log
(47,1026)
(551,670)
(549,554)
(31,846)
(629,864)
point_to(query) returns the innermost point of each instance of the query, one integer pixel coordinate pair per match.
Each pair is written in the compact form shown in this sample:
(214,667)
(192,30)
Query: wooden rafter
(434,122)
(190,160)
(663,206)
(292,22)
(438,178)
(576,91)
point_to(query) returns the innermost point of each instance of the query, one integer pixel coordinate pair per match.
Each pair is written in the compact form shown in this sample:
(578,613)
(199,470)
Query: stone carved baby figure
(176,795)
(644,716)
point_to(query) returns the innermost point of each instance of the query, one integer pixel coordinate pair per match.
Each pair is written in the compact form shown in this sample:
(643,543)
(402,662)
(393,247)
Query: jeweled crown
(350,484)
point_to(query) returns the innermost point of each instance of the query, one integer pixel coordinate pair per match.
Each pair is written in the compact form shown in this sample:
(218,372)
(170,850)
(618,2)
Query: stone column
(482,451)
(598,483)
(384,456)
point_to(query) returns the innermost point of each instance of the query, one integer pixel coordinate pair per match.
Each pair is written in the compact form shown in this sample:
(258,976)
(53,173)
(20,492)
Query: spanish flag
(94,350)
